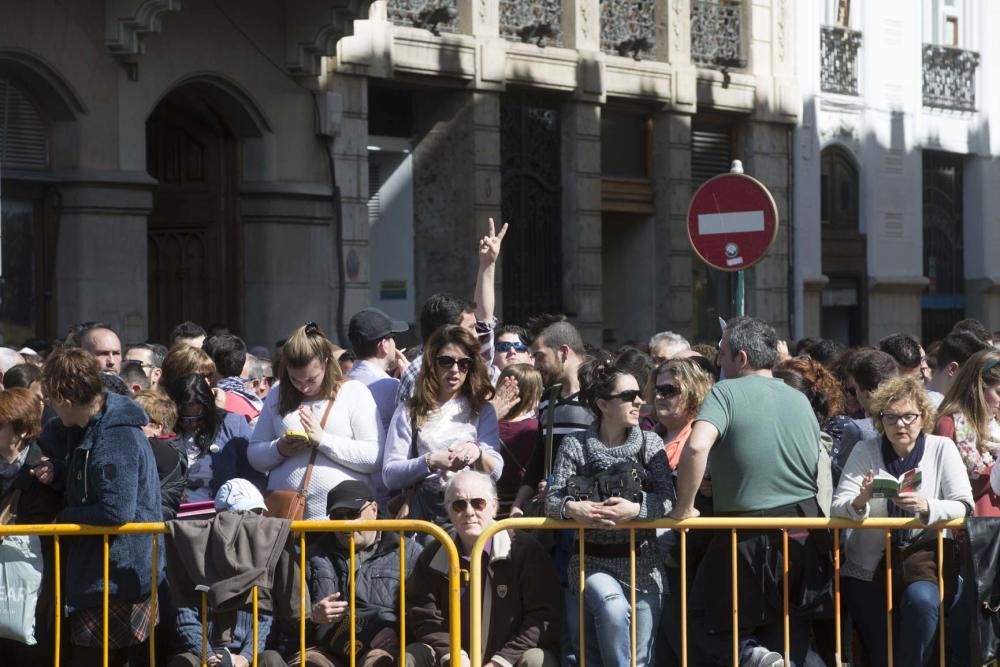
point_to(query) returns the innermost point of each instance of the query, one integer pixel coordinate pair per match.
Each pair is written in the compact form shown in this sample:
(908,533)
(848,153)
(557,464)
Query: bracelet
(427,462)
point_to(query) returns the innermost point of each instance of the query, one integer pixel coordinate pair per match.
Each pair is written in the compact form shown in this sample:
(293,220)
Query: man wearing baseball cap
(376,589)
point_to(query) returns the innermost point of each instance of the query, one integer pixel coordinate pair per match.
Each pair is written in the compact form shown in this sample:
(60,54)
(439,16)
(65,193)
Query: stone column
(290,277)
(581,217)
(101,257)
(981,229)
(767,154)
(672,290)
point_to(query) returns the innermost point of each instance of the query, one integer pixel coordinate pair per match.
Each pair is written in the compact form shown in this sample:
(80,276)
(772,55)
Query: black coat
(172,467)
(376,580)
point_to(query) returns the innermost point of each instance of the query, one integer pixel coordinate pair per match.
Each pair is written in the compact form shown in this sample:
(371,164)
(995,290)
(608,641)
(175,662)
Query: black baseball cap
(348,495)
(372,324)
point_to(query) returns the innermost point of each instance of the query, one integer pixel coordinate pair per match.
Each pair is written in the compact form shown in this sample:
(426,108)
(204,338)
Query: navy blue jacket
(110,479)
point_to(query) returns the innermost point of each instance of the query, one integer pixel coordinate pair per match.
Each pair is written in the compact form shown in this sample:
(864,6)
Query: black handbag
(982,562)
(624,479)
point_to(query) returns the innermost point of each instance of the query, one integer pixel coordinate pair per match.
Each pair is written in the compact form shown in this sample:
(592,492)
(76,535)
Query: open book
(886,486)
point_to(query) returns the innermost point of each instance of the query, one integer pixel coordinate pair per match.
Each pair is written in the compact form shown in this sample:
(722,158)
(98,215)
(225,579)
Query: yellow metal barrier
(301,527)
(784,524)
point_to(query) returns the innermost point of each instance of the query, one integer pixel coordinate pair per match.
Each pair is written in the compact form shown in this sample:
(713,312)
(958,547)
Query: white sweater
(352,439)
(944,483)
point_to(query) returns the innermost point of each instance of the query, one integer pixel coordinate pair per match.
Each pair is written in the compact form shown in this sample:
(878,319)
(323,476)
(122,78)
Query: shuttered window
(711,154)
(24,139)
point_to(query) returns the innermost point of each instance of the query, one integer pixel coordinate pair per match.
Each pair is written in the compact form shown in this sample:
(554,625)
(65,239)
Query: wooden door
(195,250)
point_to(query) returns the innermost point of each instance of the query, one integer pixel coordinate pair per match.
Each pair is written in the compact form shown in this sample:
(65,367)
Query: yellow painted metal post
(684,600)
(153,592)
(784,595)
(582,658)
(940,564)
(838,649)
(57,559)
(888,592)
(302,598)
(402,599)
(631,574)
(204,629)
(256,629)
(105,601)
(351,596)
(736,605)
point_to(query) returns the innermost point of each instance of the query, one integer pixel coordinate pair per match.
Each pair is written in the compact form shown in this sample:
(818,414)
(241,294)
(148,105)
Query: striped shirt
(570,416)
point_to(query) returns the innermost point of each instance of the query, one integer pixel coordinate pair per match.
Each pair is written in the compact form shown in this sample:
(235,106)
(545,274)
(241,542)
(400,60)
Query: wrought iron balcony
(433,15)
(950,77)
(537,21)
(628,27)
(839,60)
(717,34)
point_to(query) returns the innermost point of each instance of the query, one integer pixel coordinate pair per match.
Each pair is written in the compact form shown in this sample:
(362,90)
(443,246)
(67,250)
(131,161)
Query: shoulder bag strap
(555,393)
(315,450)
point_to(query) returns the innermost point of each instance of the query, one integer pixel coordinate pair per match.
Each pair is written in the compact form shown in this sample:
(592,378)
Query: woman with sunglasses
(510,347)
(448,425)
(614,440)
(968,415)
(676,389)
(902,415)
(315,414)
(214,440)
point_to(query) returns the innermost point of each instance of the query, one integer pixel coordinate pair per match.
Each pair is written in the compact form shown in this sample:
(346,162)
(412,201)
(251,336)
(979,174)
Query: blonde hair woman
(347,442)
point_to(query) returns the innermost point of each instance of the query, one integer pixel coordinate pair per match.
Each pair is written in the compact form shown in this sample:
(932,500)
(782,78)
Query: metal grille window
(838,189)
(537,21)
(950,77)
(628,27)
(24,138)
(717,34)
(434,15)
(839,60)
(531,195)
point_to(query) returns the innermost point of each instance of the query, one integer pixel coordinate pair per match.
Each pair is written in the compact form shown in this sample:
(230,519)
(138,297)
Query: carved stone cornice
(127,20)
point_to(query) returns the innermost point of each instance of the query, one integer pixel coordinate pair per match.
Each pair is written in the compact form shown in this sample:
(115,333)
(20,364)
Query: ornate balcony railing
(950,77)
(433,15)
(839,60)
(628,27)
(537,21)
(717,34)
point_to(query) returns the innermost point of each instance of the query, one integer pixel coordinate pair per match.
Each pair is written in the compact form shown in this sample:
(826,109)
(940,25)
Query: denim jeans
(607,610)
(915,620)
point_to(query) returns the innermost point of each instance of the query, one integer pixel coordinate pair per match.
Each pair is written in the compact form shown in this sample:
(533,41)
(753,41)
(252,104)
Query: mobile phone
(292,435)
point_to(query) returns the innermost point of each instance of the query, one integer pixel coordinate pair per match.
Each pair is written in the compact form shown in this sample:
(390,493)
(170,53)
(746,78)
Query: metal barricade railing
(300,528)
(784,524)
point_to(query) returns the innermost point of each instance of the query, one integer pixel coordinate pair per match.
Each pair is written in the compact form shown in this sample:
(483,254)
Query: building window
(434,15)
(538,22)
(838,189)
(624,144)
(628,27)
(24,135)
(943,303)
(717,34)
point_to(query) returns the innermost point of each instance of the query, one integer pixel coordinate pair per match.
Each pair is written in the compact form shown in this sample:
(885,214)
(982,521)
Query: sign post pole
(740,292)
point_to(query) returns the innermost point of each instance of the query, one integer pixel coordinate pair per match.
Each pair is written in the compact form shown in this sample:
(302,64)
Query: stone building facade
(262,163)
(896,168)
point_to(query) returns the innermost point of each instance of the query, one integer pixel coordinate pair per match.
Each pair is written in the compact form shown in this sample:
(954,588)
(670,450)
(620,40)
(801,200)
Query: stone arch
(233,102)
(56,97)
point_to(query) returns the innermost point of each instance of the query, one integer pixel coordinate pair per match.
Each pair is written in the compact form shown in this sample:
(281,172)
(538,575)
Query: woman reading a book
(904,473)
(968,415)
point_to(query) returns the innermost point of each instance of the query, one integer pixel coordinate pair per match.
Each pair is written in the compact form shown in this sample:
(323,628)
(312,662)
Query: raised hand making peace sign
(489,245)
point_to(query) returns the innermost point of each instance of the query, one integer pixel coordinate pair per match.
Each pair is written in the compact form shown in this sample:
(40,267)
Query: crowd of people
(476,422)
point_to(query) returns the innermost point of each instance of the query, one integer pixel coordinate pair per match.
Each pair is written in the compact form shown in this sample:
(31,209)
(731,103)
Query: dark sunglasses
(478,504)
(507,346)
(627,396)
(191,420)
(667,390)
(445,362)
(347,514)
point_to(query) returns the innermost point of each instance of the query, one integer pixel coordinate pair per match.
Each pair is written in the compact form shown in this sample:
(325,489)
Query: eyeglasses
(478,504)
(348,514)
(627,396)
(507,346)
(445,363)
(904,419)
(192,419)
(667,390)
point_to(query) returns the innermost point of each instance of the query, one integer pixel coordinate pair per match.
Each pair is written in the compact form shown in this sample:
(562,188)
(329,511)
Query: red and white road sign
(732,221)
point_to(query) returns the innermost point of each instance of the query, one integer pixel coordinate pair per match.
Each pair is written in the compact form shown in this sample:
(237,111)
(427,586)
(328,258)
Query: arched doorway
(844,250)
(195,244)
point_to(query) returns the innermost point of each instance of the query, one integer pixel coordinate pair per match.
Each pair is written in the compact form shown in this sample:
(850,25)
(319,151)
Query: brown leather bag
(287,504)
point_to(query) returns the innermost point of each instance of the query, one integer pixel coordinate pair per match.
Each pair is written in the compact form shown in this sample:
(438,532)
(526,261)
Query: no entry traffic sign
(732,221)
